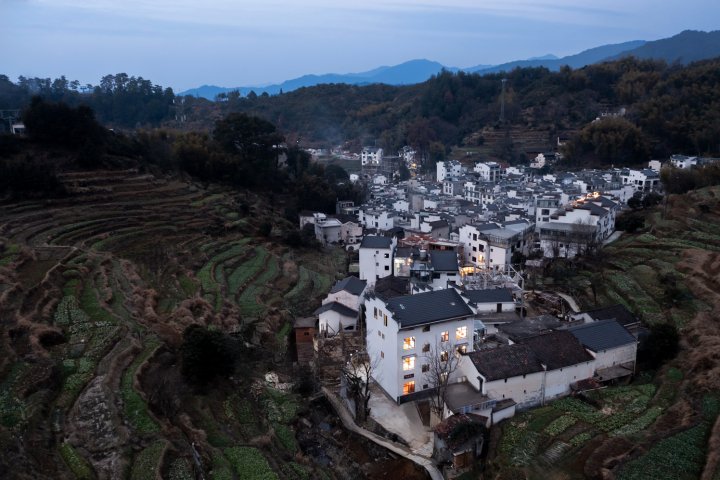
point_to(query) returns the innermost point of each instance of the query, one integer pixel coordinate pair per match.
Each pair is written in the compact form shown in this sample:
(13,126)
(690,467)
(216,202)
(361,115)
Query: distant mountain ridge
(685,47)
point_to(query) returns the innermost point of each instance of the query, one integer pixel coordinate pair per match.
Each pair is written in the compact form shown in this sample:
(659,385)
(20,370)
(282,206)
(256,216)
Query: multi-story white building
(489,171)
(404,331)
(340,309)
(371,156)
(574,229)
(645,180)
(491,245)
(448,169)
(376,258)
(382,220)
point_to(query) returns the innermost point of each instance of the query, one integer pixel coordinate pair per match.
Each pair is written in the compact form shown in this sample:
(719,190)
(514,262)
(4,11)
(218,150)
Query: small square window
(425,368)
(444,336)
(426,348)
(444,356)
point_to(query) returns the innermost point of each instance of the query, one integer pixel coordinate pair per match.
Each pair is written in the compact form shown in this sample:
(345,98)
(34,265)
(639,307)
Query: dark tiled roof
(602,335)
(490,295)
(557,349)
(350,284)
(616,312)
(374,241)
(391,286)
(505,362)
(336,307)
(444,260)
(428,307)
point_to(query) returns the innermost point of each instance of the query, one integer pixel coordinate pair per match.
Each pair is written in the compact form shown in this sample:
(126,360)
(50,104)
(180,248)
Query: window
(387,255)
(385,320)
(425,368)
(382,354)
(379,333)
(375,312)
(408,363)
(387,267)
(462,349)
(443,356)
(426,348)
(426,328)
(444,336)
(408,343)
(461,333)
(383,336)
(408,387)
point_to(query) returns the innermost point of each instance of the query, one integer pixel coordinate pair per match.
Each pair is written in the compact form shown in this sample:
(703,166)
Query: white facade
(494,248)
(376,262)
(489,171)
(393,347)
(371,156)
(379,219)
(615,356)
(447,169)
(641,180)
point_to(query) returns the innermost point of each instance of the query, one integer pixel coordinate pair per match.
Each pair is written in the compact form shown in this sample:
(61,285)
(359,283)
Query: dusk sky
(184,44)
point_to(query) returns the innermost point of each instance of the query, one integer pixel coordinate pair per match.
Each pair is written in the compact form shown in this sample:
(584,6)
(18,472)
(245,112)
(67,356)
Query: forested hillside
(664,109)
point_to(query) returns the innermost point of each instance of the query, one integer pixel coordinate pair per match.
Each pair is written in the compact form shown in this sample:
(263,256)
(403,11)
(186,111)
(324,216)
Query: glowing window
(408,343)
(409,363)
(408,387)
(461,333)
(462,349)
(444,336)
(443,356)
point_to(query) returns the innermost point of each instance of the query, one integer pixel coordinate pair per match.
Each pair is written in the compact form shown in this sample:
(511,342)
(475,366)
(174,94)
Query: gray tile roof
(602,335)
(351,284)
(558,349)
(505,362)
(616,312)
(374,241)
(490,295)
(428,307)
(444,260)
(337,307)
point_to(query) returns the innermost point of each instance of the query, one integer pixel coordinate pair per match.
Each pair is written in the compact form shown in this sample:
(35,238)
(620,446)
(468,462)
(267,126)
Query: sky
(187,43)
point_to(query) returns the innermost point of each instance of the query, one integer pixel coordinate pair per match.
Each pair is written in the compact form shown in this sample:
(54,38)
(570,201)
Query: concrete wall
(615,356)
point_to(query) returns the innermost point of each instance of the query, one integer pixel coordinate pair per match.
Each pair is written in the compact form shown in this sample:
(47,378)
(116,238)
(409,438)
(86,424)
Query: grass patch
(77,464)
(286,437)
(249,463)
(136,410)
(148,462)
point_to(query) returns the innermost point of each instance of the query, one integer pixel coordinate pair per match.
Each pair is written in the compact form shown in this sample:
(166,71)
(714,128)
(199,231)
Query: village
(438,330)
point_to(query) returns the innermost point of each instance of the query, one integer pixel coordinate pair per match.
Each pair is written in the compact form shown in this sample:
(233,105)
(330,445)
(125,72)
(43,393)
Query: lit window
(408,387)
(443,356)
(461,333)
(408,363)
(385,320)
(444,336)
(462,348)
(408,343)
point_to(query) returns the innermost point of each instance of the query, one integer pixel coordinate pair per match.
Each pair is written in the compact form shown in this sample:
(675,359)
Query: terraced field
(95,291)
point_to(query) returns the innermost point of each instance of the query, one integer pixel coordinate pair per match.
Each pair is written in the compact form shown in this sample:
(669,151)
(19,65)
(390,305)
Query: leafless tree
(357,371)
(440,362)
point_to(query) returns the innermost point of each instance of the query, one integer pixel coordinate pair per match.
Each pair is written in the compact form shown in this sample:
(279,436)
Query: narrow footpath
(350,424)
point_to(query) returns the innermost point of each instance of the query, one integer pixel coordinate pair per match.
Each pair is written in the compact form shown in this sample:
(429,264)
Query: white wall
(344,297)
(557,382)
(333,322)
(375,263)
(391,373)
(615,356)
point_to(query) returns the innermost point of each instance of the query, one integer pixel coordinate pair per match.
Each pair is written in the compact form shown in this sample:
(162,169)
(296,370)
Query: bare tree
(357,371)
(440,361)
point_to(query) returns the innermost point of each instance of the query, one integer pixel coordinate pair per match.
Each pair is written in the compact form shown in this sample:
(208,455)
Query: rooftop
(428,307)
(374,241)
(557,349)
(602,335)
(489,295)
(338,308)
(505,362)
(352,285)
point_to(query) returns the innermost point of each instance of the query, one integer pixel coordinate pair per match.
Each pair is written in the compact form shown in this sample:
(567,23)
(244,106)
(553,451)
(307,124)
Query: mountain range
(685,47)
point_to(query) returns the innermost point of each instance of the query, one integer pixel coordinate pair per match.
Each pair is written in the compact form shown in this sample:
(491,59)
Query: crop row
(136,410)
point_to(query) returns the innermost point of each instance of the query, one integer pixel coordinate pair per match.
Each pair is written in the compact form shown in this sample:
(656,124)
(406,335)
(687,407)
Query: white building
(645,180)
(491,245)
(340,309)
(371,156)
(403,331)
(448,169)
(376,258)
(489,171)
(382,220)
(532,372)
(612,346)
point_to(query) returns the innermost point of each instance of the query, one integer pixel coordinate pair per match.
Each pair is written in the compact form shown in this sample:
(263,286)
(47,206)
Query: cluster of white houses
(435,279)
